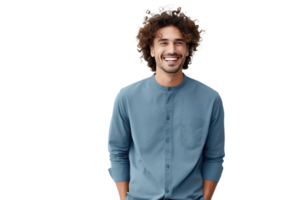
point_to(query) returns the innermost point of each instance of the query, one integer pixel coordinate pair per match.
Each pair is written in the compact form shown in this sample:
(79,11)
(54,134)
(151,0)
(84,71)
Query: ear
(152,51)
(187,50)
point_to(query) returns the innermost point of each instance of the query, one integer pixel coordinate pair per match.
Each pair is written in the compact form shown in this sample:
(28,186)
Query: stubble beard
(172,71)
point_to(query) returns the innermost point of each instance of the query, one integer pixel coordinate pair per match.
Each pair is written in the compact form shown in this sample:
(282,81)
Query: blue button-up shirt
(166,140)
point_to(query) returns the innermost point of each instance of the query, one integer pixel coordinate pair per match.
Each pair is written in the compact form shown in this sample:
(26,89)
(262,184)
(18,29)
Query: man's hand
(208,189)
(122,187)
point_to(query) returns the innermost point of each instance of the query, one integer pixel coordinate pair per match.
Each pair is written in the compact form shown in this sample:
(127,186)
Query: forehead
(170,32)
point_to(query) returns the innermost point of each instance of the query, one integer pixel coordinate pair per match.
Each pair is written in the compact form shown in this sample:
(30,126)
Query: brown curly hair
(147,34)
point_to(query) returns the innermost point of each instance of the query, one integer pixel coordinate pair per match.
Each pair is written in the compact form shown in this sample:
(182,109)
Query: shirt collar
(154,81)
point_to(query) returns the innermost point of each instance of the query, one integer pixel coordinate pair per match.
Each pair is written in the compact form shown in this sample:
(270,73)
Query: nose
(171,48)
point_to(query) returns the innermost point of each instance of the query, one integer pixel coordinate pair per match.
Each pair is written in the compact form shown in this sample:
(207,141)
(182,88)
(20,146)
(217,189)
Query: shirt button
(168,166)
(169,89)
(168,118)
(167,140)
(167,191)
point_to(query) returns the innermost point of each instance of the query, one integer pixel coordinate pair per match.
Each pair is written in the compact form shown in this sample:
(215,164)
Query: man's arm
(118,145)
(213,151)
(123,188)
(208,189)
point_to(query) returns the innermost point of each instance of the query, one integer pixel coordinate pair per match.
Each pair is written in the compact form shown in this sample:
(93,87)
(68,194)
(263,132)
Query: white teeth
(171,58)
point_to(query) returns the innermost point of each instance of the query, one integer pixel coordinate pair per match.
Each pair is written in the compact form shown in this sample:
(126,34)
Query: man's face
(169,43)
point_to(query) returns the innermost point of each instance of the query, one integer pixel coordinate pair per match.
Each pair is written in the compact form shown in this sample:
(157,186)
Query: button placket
(168,144)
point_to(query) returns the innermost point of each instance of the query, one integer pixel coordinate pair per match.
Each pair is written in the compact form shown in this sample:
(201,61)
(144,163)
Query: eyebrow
(164,39)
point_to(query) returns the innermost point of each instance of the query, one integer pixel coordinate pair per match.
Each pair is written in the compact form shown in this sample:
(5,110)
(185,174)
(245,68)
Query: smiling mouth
(171,60)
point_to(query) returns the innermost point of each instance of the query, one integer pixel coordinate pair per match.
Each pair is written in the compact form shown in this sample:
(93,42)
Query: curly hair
(147,34)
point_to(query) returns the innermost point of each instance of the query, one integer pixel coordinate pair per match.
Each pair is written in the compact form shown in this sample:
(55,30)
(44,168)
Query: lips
(171,61)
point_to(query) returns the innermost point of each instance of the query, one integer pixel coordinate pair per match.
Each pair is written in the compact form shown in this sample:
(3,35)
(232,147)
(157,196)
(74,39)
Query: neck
(169,79)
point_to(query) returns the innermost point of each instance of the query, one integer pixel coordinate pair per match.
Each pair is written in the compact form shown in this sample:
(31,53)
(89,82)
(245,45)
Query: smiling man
(166,137)
(170,51)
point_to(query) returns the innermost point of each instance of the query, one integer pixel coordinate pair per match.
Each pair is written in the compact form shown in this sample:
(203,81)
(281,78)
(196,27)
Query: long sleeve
(119,140)
(214,151)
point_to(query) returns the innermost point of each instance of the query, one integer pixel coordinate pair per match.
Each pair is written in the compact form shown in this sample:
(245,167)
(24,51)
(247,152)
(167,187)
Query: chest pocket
(191,132)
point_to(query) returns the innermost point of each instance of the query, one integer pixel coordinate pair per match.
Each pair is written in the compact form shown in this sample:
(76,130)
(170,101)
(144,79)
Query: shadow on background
(9,63)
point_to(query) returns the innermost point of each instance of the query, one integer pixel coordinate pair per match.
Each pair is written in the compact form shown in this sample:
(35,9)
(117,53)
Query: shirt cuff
(119,174)
(212,171)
